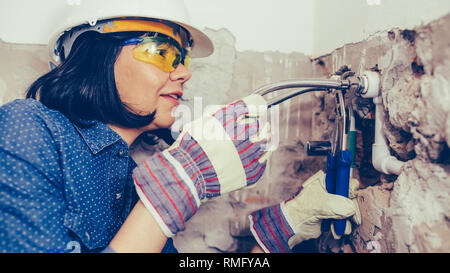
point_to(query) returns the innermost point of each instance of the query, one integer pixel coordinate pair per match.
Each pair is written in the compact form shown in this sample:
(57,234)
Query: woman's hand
(224,150)
(279,228)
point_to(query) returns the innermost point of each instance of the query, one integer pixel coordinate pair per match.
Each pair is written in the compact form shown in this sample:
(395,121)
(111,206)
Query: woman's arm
(257,249)
(139,233)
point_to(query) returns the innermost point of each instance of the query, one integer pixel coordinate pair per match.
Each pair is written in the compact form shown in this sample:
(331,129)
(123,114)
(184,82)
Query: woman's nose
(181,73)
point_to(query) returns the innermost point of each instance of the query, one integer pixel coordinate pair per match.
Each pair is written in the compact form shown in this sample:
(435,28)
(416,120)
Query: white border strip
(286,216)
(255,235)
(180,170)
(221,152)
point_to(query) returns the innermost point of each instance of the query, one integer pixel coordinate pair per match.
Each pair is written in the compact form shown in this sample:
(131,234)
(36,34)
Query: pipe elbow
(384,162)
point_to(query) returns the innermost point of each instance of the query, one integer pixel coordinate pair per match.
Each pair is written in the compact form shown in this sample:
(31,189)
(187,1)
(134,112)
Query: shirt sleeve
(31,191)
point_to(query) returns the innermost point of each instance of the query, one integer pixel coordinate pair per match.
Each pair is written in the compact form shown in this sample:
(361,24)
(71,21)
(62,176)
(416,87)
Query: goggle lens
(161,52)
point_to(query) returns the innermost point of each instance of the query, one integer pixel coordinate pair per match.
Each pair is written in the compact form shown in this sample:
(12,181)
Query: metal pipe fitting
(303,83)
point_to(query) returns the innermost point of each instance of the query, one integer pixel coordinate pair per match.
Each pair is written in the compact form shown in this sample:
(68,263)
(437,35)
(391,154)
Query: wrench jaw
(342,119)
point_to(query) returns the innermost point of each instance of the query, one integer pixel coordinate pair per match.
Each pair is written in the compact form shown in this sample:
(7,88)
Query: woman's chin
(164,124)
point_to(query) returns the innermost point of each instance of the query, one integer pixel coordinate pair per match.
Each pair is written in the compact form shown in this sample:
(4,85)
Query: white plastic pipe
(382,159)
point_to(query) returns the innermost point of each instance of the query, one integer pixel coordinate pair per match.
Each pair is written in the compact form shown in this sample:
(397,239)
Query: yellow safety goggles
(161,51)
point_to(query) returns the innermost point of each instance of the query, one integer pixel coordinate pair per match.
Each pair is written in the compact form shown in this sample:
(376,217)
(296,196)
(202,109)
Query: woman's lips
(173,97)
(175,101)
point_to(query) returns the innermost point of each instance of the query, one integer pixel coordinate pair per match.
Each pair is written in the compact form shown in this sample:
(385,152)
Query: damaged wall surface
(408,213)
(405,213)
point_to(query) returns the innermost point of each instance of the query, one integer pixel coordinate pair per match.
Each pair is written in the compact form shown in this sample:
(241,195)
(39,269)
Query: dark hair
(83,86)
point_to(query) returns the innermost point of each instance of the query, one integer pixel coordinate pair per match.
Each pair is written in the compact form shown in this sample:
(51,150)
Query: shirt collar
(97,135)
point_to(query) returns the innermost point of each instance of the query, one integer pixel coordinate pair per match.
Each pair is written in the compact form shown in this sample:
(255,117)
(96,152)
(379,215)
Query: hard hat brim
(202,44)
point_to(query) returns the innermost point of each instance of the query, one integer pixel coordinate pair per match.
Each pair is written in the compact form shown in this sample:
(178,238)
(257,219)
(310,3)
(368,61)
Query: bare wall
(337,23)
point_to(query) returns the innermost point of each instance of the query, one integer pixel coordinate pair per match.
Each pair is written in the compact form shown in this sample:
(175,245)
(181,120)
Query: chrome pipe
(303,83)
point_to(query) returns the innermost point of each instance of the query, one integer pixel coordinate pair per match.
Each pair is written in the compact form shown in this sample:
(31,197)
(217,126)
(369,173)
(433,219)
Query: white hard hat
(84,15)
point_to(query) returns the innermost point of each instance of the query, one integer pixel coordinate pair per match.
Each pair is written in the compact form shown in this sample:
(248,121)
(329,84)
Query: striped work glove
(279,228)
(223,151)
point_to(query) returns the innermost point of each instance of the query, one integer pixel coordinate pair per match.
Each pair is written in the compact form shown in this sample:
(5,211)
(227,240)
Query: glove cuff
(271,229)
(167,191)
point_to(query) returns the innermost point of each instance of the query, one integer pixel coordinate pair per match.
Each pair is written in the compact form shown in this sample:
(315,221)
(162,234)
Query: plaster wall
(337,23)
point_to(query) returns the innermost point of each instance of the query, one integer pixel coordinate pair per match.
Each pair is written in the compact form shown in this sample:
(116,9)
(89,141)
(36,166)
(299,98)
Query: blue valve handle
(344,161)
(330,183)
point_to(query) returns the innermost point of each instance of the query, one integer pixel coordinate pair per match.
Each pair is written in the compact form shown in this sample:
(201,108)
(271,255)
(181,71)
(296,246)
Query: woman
(66,170)
(67,181)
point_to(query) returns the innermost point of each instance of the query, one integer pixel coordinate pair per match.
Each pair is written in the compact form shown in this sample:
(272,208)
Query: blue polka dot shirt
(63,188)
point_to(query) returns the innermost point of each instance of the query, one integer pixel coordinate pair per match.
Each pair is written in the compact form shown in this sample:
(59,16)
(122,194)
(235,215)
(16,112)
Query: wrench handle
(344,161)
(330,183)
